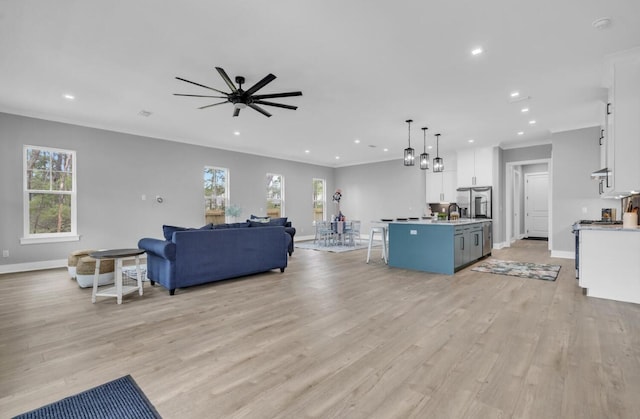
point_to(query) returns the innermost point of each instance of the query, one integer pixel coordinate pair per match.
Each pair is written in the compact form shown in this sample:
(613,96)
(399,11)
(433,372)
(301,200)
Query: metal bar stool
(382,229)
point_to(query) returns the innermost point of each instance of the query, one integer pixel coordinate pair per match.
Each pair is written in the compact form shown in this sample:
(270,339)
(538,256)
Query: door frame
(509,198)
(526,222)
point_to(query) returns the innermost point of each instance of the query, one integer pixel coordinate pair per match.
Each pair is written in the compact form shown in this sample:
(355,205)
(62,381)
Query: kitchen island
(610,262)
(438,246)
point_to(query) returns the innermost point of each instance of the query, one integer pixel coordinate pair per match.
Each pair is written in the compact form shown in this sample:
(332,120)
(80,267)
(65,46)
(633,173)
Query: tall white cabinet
(622,139)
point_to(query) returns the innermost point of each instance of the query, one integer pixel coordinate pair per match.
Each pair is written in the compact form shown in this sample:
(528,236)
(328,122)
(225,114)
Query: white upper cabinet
(475,167)
(623,122)
(441,187)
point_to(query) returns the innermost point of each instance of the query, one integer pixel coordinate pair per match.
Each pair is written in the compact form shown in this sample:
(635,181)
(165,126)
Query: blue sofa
(198,256)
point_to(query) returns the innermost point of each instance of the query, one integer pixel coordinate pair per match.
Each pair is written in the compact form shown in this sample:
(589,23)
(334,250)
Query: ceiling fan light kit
(240,98)
(409,153)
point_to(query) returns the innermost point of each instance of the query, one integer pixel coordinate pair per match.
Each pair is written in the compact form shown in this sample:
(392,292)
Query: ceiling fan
(242,98)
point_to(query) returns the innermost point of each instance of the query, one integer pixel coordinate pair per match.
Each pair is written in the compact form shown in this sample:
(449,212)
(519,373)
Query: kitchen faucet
(449,210)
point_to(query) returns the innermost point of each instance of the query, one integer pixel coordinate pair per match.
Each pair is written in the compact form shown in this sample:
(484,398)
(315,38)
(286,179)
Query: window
(275,195)
(216,194)
(319,200)
(49,195)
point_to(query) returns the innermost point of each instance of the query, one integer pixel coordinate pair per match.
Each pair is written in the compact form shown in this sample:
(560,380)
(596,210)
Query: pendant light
(424,157)
(409,156)
(438,163)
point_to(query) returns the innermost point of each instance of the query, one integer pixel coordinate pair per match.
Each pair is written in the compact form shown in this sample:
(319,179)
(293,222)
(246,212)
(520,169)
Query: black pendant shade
(438,162)
(409,153)
(424,157)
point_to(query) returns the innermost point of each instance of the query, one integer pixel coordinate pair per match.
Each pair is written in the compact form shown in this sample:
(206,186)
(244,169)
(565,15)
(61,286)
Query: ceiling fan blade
(226,79)
(259,109)
(214,104)
(275,95)
(182,94)
(236,112)
(259,85)
(202,85)
(279,105)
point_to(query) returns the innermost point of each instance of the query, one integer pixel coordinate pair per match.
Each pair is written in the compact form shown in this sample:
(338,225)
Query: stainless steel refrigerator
(475,202)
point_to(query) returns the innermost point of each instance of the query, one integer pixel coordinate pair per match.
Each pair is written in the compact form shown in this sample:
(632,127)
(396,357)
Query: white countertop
(462,221)
(606,227)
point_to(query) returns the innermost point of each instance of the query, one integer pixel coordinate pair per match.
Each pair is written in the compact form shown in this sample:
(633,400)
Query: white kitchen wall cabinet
(441,187)
(623,135)
(475,167)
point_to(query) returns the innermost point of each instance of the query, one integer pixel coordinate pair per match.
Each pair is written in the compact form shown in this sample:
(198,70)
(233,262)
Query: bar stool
(382,229)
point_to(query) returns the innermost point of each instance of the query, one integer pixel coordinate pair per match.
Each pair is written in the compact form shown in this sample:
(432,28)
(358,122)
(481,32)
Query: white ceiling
(364,67)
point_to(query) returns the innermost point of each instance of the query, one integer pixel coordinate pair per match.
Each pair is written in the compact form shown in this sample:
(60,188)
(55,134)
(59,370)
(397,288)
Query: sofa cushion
(168,231)
(280,222)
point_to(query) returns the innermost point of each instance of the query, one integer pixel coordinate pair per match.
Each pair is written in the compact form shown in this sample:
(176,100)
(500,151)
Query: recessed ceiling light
(520,132)
(524,110)
(236,132)
(470,140)
(532,122)
(477,51)
(385,149)
(356,141)
(68,96)
(337,157)
(514,94)
(430,147)
(307,151)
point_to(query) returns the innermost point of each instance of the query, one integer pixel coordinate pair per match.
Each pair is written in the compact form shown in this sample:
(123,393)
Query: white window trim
(324,196)
(227,195)
(29,238)
(282,213)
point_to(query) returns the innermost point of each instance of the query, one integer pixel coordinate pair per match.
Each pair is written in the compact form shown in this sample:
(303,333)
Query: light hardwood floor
(331,337)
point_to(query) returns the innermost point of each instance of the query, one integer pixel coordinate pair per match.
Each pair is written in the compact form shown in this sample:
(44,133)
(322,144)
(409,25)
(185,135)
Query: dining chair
(325,232)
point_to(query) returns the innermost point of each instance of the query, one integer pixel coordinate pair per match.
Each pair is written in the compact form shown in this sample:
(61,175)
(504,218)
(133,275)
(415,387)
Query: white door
(536,189)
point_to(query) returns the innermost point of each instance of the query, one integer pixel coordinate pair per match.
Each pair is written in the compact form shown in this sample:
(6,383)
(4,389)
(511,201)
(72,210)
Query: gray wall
(575,195)
(381,190)
(115,169)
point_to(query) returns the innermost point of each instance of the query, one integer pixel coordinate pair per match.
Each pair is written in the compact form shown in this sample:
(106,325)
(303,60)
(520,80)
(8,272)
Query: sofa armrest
(291,231)
(160,248)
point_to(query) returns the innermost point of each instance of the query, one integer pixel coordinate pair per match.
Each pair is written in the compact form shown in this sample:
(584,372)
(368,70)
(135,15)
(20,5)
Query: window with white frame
(275,195)
(49,195)
(216,194)
(319,200)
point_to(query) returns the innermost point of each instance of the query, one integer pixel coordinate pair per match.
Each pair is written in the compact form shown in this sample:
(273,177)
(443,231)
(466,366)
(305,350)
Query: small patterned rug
(520,269)
(335,248)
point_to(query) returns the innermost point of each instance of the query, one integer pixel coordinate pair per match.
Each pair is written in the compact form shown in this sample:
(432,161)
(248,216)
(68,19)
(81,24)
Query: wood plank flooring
(331,337)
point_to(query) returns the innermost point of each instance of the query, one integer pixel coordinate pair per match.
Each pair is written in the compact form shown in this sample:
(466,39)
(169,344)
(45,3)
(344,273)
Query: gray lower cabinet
(468,245)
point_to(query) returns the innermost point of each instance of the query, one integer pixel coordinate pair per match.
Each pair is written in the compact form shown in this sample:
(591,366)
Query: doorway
(536,191)
(515,202)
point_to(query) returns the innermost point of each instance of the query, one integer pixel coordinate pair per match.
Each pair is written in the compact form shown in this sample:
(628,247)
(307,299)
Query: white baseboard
(33,266)
(563,254)
(303,238)
(500,245)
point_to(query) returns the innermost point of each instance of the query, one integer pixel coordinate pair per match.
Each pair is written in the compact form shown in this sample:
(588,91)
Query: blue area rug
(519,269)
(335,248)
(117,399)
